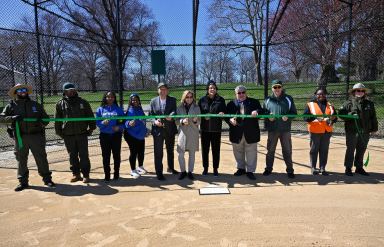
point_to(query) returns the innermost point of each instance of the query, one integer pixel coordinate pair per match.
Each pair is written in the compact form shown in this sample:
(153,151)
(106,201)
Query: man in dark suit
(244,133)
(163,129)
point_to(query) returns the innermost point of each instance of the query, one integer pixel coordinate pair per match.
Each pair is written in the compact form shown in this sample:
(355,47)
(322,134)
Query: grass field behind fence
(301,92)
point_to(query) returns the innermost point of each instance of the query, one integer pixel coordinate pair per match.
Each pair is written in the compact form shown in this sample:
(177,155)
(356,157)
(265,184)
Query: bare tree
(98,20)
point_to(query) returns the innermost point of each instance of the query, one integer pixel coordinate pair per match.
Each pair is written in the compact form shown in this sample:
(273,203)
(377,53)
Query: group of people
(244,132)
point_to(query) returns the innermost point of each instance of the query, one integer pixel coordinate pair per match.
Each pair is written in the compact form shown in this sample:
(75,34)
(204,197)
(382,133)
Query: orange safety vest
(317,126)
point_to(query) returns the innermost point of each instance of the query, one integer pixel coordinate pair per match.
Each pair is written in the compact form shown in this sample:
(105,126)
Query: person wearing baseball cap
(75,134)
(32,134)
(357,137)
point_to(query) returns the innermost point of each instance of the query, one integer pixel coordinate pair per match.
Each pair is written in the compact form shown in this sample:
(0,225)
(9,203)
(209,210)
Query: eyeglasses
(276,87)
(360,90)
(21,90)
(240,93)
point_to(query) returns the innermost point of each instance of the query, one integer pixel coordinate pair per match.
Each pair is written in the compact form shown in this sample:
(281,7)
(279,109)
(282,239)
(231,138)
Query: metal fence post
(39,53)
(266,52)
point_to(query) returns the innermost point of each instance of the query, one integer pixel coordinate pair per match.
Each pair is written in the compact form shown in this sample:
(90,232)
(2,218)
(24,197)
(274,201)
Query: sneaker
(348,172)
(267,172)
(205,171)
(21,187)
(239,172)
(173,171)
(161,177)
(86,180)
(135,174)
(361,171)
(182,175)
(190,176)
(314,171)
(50,184)
(323,171)
(291,175)
(141,170)
(215,172)
(251,176)
(76,178)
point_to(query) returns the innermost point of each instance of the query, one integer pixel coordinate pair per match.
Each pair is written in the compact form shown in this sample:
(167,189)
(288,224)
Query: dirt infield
(273,211)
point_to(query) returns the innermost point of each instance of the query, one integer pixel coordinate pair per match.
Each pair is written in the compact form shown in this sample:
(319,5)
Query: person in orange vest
(320,129)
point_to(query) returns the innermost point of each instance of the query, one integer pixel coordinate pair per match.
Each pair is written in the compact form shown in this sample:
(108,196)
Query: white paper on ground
(213,190)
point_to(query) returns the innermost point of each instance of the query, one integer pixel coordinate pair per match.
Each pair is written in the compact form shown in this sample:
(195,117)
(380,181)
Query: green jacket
(26,108)
(75,107)
(282,105)
(365,109)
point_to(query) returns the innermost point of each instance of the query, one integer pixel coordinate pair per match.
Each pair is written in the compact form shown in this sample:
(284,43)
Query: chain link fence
(84,45)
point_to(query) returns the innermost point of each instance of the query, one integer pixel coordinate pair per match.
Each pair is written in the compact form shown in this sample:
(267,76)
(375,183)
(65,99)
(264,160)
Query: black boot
(182,175)
(348,172)
(190,176)
(361,171)
(21,186)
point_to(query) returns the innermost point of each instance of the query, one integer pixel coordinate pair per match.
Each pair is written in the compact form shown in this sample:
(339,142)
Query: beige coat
(188,138)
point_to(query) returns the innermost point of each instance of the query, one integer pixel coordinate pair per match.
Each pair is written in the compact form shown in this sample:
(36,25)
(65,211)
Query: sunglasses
(276,87)
(240,92)
(360,90)
(21,90)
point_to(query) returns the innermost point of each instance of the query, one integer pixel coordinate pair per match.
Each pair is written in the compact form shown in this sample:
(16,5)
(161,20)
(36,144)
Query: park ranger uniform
(75,134)
(32,135)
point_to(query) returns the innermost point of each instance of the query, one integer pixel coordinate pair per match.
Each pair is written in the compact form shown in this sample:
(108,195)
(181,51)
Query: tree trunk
(328,75)
(368,70)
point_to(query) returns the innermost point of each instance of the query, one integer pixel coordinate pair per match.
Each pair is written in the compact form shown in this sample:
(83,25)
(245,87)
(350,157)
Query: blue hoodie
(138,131)
(109,111)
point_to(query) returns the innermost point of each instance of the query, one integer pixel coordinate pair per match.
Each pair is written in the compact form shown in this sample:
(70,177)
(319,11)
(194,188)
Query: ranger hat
(12,91)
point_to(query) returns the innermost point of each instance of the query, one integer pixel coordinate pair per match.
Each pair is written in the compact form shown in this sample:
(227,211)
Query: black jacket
(211,106)
(365,109)
(26,108)
(249,127)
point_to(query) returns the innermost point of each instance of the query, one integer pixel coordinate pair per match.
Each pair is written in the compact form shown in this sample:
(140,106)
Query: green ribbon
(18,136)
(167,116)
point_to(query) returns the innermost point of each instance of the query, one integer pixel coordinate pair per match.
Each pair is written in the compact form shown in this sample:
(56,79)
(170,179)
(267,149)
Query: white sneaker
(135,174)
(141,170)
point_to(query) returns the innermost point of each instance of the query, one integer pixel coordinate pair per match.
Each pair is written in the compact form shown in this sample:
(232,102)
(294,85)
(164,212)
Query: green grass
(301,92)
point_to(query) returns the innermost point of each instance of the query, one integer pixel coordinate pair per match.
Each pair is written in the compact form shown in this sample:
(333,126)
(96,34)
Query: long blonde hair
(185,93)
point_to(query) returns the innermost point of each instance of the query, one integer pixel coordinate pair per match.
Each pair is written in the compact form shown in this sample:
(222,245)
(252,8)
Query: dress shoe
(205,171)
(239,172)
(361,171)
(251,176)
(86,180)
(348,172)
(190,176)
(76,178)
(161,177)
(21,187)
(182,175)
(267,172)
(215,172)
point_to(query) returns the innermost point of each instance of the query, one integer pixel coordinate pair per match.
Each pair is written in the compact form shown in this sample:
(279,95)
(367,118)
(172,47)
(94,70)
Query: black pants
(158,142)
(286,146)
(136,148)
(356,146)
(210,139)
(319,144)
(108,143)
(77,148)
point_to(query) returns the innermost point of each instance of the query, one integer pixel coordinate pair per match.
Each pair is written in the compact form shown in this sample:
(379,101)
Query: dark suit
(166,133)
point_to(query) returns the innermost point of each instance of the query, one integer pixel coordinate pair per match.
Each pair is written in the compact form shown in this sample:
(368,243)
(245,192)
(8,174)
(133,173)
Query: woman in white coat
(188,139)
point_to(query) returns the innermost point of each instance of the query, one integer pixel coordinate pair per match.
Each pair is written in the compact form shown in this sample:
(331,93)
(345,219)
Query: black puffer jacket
(211,106)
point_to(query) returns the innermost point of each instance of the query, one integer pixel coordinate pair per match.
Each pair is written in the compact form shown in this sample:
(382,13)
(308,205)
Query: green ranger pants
(35,143)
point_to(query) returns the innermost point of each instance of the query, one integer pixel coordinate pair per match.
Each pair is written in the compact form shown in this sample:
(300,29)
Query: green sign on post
(158,62)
